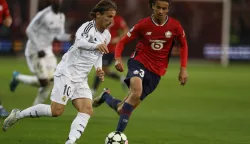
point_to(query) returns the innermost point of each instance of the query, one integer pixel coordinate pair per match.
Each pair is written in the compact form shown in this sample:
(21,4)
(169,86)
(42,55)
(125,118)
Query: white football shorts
(43,68)
(65,89)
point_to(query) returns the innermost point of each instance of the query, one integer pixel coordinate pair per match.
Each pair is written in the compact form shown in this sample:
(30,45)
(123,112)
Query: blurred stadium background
(213,108)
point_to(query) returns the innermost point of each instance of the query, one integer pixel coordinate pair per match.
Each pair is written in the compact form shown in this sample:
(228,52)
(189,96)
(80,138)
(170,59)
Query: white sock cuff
(49,112)
(84,116)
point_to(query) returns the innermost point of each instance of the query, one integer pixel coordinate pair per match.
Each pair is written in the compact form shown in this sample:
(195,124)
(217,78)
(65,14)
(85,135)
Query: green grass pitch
(213,108)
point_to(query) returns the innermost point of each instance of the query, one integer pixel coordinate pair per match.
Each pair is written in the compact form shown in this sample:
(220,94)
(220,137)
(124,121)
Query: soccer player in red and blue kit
(156,35)
(117,29)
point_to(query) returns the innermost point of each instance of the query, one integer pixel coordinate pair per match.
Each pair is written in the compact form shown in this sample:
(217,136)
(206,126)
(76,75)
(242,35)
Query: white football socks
(35,111)
(78,126)
(29,80)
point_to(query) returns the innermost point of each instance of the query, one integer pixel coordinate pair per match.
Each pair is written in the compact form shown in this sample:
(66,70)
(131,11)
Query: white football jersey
(43,29)
(77,63)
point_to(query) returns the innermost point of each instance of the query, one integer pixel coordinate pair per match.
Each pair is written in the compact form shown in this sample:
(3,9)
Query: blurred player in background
(118,29)
(46,26)
(149,62)
(71,75)
(6,20)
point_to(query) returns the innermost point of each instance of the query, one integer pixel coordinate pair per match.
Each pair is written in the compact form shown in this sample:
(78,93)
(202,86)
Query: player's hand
(100,73)
(41,54)
(119,65)
(183,76)
(115,40)
(102,48)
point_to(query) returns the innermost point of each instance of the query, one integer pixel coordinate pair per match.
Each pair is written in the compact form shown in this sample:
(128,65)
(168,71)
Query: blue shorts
(107,59)
(150,80)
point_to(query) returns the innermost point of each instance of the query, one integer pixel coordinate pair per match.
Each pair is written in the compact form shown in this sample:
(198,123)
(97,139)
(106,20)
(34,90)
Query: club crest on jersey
(64,98)
(168,34)
(148,33)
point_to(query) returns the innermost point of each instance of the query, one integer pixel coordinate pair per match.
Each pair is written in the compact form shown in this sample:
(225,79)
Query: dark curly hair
(152,2)
(102,6)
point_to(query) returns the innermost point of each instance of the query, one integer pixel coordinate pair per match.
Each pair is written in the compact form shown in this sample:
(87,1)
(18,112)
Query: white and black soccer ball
(116,137)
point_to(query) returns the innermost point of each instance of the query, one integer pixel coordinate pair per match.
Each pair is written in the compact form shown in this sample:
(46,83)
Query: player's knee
(136,93)
(57,110)
(119,108)
(87,110)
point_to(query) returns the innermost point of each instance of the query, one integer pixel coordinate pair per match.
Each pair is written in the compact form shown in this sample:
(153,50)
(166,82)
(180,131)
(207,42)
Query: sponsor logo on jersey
(157,41)
(157,44)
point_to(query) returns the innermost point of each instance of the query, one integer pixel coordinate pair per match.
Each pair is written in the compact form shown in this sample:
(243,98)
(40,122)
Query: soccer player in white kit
(46,26)
(71,75)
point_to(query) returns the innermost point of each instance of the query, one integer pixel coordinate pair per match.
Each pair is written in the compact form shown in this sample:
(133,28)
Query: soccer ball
(116,137)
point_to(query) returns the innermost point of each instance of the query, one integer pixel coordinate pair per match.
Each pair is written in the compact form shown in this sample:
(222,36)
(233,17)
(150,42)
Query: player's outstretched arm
(102,48)
(98,66)
(118,64)
(100,73)
(131,35)
(183,76)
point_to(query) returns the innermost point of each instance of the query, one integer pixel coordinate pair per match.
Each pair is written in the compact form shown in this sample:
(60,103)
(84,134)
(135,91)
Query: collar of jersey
(96,28)
(158,24)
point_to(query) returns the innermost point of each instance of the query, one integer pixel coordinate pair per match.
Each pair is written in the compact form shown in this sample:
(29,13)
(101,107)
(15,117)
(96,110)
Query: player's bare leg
(123,108)
(84,107)
(131,102)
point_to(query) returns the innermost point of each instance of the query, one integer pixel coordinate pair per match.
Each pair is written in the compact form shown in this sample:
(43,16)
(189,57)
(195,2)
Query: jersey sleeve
(108,38)
(34,25)
(98,63)
(131,35)
(84,36)
(181,37)
(6,11)
(63,36)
